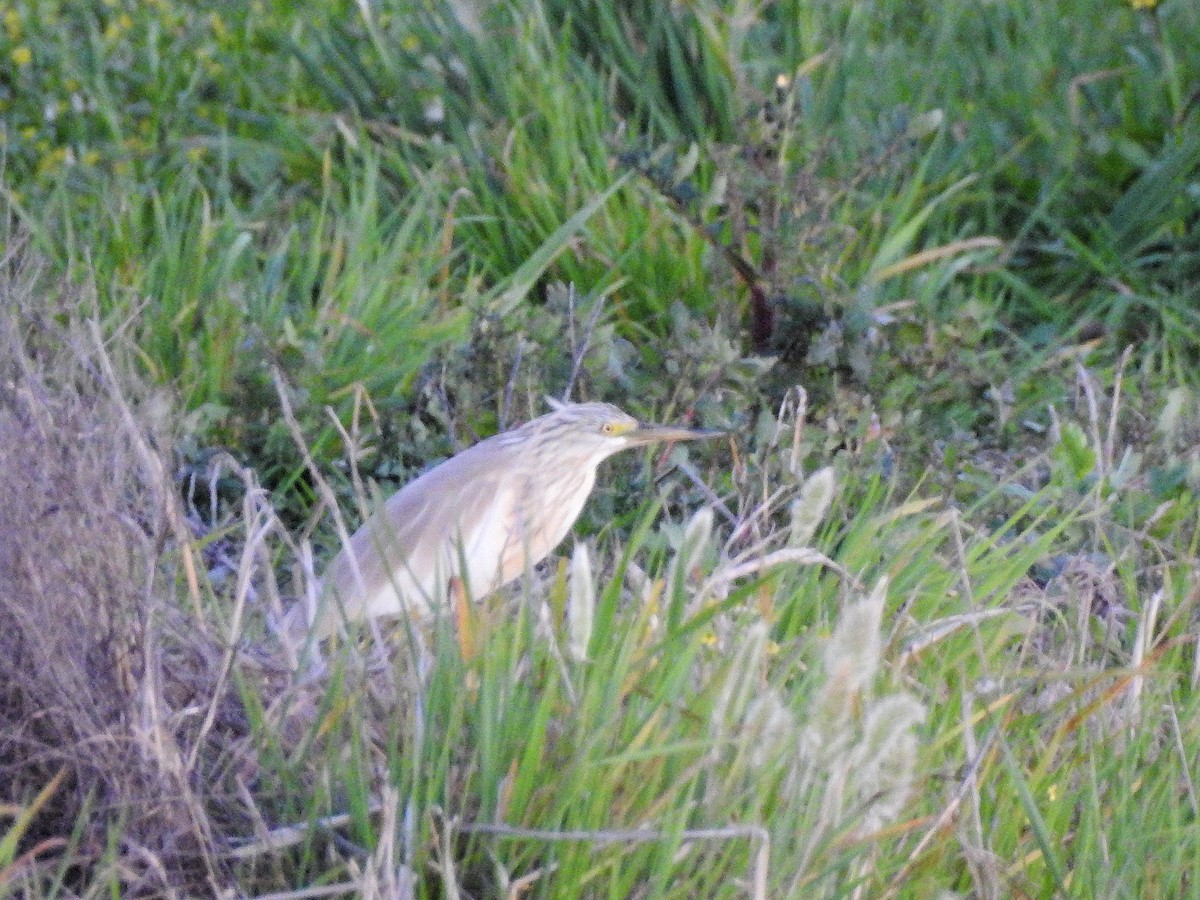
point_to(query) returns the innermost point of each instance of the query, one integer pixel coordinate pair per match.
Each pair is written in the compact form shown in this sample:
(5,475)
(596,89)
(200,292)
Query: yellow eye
(608,428)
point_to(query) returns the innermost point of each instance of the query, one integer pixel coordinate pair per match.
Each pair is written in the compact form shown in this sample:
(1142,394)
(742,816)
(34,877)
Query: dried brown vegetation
(107,684)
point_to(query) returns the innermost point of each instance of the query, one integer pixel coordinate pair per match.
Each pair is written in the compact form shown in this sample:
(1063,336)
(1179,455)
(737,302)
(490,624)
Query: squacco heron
(480,519)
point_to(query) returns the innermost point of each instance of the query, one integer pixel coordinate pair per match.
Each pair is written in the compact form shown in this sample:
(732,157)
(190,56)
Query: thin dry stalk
(938,826)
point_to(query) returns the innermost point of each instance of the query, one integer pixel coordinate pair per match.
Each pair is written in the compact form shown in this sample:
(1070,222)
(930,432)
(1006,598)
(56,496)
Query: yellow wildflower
(117,27)
(54,160)
(12,24)
(22,56)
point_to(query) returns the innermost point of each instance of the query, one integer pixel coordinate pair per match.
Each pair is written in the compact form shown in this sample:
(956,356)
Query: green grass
(948,222)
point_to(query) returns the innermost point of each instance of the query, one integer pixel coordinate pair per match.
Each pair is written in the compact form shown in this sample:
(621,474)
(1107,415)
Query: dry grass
(108,674)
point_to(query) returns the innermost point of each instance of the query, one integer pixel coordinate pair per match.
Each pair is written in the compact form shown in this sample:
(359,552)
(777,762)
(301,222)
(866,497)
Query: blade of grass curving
(1142,210)
(506,297)
(1041,832)
(11,838)
(898,240)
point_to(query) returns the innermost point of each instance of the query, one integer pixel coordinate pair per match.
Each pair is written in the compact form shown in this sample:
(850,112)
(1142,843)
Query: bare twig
(511,383)
(709,494)
(258,524)
(323,488)
(1114,408)
(327,890)
(760,838)
(965,787)
(579,348)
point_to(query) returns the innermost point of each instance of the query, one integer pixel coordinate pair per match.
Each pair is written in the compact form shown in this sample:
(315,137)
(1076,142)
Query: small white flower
(809,509)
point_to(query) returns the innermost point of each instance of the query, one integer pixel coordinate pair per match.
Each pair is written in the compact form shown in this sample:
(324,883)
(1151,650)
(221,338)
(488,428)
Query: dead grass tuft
(107,671)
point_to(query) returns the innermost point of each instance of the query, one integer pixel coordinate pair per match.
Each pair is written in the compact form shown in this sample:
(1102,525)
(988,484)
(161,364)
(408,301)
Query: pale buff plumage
(484,516)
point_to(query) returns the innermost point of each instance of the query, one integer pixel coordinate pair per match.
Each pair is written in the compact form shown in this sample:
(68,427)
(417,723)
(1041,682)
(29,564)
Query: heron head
(604,429)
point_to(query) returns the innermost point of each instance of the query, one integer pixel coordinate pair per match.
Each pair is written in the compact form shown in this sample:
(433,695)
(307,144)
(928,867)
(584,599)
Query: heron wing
(405,554)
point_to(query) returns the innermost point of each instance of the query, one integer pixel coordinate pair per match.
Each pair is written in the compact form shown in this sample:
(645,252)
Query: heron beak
(654,434)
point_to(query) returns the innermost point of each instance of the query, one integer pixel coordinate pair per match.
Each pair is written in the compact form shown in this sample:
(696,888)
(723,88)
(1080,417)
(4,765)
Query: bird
(479,520)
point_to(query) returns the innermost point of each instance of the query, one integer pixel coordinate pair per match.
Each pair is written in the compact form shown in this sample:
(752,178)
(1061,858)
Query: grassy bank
(924,623)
